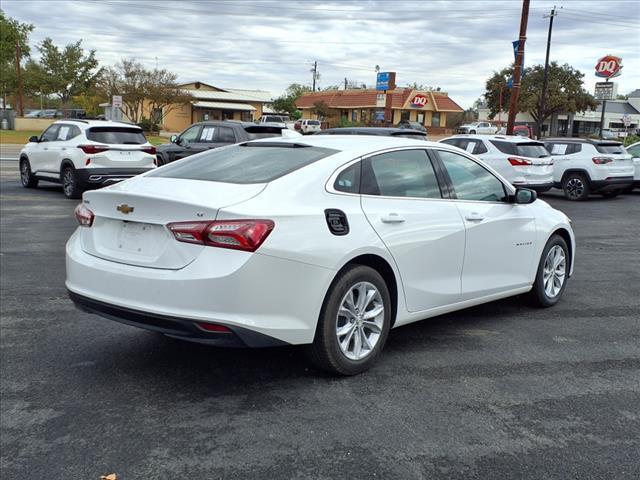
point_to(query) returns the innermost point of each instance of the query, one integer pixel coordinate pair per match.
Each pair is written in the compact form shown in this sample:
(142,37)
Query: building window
(227,115)
(435,119)
(246,117)
(421,118)
(404,115)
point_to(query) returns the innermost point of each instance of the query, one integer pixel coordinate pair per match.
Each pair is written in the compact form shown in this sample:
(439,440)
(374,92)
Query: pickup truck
(478,127)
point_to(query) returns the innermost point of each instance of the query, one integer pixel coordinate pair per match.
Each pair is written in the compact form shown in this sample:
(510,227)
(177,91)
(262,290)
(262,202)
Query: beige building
(214,103)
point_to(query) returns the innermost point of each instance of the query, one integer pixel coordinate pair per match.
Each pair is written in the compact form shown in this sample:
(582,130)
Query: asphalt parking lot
(500,391)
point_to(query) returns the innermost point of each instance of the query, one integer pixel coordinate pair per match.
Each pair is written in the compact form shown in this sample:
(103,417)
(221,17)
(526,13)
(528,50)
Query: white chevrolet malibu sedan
(328,241)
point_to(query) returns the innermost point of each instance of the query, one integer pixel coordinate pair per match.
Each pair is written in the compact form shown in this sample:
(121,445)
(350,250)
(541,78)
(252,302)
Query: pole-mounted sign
(608,66)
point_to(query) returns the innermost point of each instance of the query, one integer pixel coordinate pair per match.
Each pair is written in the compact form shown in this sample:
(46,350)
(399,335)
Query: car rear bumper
(107,176)
(267,295)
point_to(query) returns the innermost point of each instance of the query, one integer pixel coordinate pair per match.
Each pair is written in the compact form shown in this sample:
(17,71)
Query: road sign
(382,81)
(626,120)
(419,101)
(116,101)
(603,91)
(608,66)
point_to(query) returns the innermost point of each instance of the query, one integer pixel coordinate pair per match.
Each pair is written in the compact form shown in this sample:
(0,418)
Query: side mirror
(524,196)
(34,139)
(174,139)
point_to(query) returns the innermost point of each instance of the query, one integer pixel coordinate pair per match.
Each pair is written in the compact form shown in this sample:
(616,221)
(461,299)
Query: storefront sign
(603,91)
(419,101)
(380,115)
(381,99)
(382,81)
(608,67)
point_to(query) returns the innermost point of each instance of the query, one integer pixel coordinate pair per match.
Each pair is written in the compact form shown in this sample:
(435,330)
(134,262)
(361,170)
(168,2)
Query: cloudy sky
(268,44)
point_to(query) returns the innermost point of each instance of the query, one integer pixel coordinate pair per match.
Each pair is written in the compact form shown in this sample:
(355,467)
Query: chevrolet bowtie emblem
(124,208)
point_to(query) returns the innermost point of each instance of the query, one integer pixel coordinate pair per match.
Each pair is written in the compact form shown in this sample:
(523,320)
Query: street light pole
(517,71)
(545,78)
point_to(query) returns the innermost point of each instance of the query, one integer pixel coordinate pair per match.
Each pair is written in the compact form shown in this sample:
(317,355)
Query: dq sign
(419,101)
(608,67)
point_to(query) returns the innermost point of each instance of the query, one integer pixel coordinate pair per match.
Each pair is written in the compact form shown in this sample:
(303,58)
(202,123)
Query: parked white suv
(634,150)
(83,154)
(309,126)
(478,127)
(522,161)
(584,166)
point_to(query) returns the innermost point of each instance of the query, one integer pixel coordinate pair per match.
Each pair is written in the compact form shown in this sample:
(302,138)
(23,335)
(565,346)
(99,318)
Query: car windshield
(533,150)
(259,162)
(313,122)
(609,148)
(117,135)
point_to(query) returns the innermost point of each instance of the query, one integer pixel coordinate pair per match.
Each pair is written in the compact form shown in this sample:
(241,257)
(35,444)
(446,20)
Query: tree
(70,71)
(12,34)
(142,90)
(565,91)
(424,88)
(287,102)
(321,109)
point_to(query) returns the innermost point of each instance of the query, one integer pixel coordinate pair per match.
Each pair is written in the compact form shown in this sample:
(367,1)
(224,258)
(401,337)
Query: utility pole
(517,71)
(314,71)
(19,79)
(345,83)
(545,79)
(604,106)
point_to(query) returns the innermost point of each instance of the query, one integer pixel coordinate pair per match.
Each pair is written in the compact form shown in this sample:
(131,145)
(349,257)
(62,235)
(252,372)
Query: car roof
(379,131)
(502,138)
(96,123)
(592,141)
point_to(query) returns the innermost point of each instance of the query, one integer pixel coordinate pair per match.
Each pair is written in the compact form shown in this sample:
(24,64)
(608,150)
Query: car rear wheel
(552,274)
(27,178)
(70,184)
(354,322)
(472,132)
(575,187)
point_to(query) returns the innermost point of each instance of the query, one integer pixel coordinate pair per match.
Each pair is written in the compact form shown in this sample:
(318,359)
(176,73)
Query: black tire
(538,296)
(160,160)
(27,178)
(472,132)
(325,352)
(70,183)
(612,194)
(575,186)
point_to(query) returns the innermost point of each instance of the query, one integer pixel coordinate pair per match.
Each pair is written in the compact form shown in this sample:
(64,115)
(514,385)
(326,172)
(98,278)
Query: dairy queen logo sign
(608,67)
(419,101)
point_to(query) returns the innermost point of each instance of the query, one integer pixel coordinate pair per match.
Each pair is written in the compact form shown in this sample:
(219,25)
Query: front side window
(405,173)
(191,134)
(50,134)
(470,180)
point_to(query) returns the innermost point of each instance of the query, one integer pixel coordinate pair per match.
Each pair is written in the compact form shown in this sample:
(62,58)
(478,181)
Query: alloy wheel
(575,188)
(360,320)
(68,181)
(554,271)
(25,173)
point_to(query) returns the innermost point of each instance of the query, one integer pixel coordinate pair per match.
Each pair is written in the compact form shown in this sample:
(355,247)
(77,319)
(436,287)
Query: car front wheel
(552,273)
(575,187)
(27,178)
(354,322)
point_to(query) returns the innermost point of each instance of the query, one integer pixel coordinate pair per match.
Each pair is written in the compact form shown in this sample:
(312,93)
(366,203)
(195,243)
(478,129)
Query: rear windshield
(245,163)
(532,149)
(313,122)
(117,135)
(262,131)
(609,148)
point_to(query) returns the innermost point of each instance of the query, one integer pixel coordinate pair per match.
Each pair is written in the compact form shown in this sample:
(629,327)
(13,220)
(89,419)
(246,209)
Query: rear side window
(532,150)
(505,147)
(563,148)
(117,135)
(349,179)
(405,173)
(609,148)
(226,135)
(470,145)
(246,163)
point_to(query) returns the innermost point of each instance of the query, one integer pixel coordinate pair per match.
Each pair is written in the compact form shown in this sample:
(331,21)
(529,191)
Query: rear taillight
(519,162)
(84,215)
(91,149)
(245,235)
(149,150)
(601,160)
(213,327)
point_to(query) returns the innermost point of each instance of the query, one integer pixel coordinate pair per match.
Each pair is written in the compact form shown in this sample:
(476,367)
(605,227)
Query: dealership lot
(496,391)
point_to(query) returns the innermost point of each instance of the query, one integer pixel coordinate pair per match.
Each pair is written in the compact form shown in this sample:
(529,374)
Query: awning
(242,107)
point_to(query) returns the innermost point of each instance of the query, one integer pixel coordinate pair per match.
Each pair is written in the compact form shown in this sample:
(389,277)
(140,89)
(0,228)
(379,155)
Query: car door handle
(392,218)
(474,217)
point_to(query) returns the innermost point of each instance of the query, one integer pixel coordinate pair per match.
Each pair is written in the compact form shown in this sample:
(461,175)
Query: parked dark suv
(207,135)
